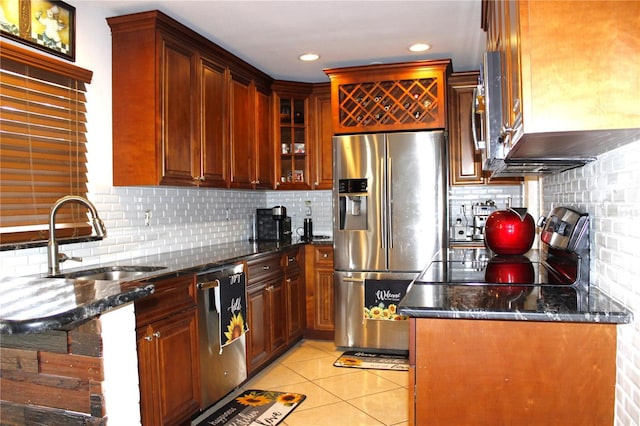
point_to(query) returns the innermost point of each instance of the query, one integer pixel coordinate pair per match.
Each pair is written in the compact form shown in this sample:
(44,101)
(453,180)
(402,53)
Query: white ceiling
(271,35)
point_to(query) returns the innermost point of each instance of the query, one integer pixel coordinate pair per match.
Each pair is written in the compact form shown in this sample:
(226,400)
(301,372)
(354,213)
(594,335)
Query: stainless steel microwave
(487,113)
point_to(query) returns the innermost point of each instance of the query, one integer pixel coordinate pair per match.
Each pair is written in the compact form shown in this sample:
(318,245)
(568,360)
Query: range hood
(555,152)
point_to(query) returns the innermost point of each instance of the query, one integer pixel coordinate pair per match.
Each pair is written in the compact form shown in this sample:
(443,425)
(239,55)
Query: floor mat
(255,407)
(373,360)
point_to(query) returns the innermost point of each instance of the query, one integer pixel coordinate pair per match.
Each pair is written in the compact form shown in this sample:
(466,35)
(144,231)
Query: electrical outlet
(147,217)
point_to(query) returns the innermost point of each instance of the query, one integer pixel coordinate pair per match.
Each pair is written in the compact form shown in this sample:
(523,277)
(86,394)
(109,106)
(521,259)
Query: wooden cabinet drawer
(323,255)
(171,295)
(263,267)
(291,259)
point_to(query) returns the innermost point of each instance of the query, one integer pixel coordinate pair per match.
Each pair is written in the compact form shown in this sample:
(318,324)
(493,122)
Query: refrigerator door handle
(352,280)
(383,209)
(389,206)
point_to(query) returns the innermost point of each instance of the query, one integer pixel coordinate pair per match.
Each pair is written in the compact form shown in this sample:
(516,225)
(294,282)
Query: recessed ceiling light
(419,47)
(308,57)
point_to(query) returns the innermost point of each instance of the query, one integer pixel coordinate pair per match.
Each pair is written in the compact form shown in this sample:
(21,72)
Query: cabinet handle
(266,267)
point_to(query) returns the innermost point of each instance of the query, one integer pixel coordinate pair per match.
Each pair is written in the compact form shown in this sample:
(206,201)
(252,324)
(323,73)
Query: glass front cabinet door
(292,135)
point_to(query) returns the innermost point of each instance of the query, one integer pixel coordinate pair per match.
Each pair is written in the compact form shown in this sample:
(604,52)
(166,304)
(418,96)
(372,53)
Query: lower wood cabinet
(266,310)
(294,292)
(167,341)
(482,372)
(319,292)
(275,306)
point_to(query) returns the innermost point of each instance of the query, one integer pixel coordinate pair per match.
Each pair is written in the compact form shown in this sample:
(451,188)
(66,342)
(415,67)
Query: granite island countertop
(434,295)
(37,303)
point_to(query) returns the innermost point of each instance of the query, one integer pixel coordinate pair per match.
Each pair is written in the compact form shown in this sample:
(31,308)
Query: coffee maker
(481,212)
(273,224)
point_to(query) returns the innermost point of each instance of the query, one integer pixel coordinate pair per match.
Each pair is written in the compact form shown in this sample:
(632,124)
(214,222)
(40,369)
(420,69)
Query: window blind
(42,145)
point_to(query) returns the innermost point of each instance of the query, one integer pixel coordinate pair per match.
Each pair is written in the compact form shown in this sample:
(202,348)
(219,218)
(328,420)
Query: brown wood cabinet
(465,163)
(322,137)
(292,260)
(303,135)
(266,310)
(476,372)
(549,87)
(275,306)
(264,151)
(291,106)
(319,294)
(168,364)
(389,97)
(185,111)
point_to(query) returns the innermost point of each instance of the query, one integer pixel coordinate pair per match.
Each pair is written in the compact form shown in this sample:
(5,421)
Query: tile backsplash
(609,190)
(178,218)
(462,198)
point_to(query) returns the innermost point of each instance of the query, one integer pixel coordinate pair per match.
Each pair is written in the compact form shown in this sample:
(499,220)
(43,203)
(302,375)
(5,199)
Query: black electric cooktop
(478,280)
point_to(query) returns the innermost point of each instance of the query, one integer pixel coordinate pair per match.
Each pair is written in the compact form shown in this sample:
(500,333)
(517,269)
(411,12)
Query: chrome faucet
(55,258)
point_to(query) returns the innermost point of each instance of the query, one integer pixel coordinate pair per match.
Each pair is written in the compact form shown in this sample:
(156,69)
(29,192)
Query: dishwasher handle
(208,284)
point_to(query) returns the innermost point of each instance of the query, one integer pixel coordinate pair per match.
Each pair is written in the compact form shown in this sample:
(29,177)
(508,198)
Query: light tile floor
(335,395)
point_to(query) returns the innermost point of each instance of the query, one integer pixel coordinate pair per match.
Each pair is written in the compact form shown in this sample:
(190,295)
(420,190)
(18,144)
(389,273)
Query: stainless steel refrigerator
(389,198)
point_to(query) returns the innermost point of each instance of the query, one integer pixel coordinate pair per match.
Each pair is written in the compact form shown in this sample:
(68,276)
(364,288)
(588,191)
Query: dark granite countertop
(36,303)
(465,296)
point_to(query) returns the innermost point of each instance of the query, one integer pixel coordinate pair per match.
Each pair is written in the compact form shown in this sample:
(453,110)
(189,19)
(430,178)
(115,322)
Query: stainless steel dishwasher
(222,368)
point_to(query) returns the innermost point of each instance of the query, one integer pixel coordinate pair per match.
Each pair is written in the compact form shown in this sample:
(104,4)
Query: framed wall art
(46,25)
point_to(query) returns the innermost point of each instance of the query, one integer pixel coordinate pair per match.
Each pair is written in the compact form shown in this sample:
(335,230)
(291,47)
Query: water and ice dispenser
(353,197)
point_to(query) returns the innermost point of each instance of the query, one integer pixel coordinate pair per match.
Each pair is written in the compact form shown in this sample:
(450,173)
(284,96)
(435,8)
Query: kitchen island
(486,354)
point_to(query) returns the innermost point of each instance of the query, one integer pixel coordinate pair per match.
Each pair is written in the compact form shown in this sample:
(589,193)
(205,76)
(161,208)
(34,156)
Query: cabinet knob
(266,267)
(199,178)
(292,259)
(288,280)
(325,255)
(150,338)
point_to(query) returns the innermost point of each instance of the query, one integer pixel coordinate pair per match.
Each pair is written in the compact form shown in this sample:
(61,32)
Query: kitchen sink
(110,273)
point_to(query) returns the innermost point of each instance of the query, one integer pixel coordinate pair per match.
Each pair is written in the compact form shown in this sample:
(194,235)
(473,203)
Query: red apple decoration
(505,269)
(510,231)
(509,270)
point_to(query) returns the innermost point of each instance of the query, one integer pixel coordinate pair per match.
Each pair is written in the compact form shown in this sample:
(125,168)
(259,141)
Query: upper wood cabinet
(379,98)
(264,151)
(465,163)
(322,137)
(303,135)
(568,67)
(291,107)
(185,111)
